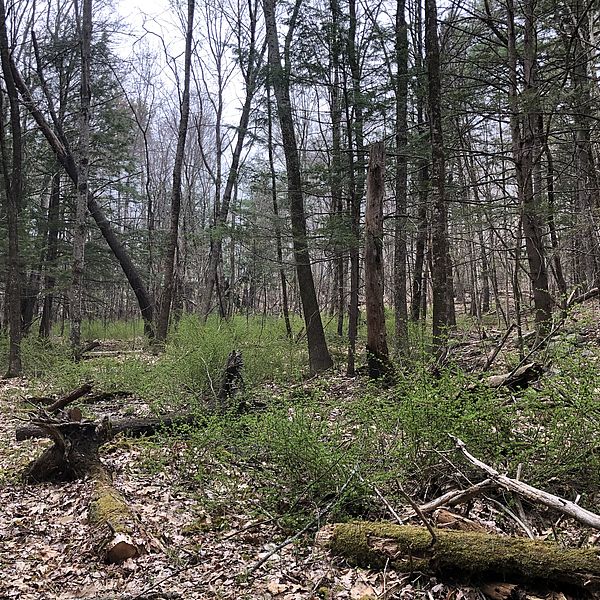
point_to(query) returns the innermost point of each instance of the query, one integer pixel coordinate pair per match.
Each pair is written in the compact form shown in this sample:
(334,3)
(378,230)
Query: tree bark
(162,325)
(13,189)
(377,350)
(400,252)
(79,232)
(439,222)
(318,353)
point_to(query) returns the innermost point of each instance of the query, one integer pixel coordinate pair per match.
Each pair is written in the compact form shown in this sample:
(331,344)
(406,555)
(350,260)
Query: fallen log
(535,495)
(518,378)
(132,427)
(472,555)
(74,455)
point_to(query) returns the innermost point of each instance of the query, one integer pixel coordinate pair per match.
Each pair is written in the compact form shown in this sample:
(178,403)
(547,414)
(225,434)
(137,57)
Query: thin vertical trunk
(556,261)
(222,205)
(318,353)
(400,305)
(357,180)
(440,252)
(524,143)
(51,255)
(13,187)
(282,279)
(377,350)
(169,277)
(79,230)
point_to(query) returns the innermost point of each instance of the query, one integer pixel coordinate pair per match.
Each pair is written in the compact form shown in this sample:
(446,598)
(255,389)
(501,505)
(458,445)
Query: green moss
(109,507)
(408,548)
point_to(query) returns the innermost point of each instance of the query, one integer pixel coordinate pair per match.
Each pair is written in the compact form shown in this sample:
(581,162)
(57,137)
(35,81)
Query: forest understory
(215,499)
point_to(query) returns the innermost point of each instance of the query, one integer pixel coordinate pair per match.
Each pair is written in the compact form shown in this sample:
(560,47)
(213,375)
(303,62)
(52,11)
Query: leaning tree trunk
(377,350)
(318,353)
(61,149)
(13,189)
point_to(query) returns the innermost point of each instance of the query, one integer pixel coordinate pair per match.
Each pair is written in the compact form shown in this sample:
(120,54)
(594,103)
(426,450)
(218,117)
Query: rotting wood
(86,388)
(503,591)
(232,382)
(517,379)
(593,293)
(132,427)
(74,455)
(473,555)
(535,495)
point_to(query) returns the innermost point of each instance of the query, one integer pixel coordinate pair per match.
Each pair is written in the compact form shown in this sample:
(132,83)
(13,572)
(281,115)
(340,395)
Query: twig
(455,497)
(383,499)
(300,533)
(420,514)
(492,356)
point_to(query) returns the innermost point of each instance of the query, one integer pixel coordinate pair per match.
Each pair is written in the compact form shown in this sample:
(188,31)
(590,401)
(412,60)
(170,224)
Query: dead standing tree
(377,349)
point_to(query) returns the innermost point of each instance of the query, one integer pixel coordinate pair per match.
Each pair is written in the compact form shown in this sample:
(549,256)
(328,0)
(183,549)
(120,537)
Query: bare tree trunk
(255,56)
(13,187)
(377,350)
(357,174)
(440,251)
(282,279)
(523,145)
(318,353)
(162,326)
(79,231)
(400,305)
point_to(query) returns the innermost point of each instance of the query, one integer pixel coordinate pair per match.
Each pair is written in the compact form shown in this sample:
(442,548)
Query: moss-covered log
(473,555)
(117,529)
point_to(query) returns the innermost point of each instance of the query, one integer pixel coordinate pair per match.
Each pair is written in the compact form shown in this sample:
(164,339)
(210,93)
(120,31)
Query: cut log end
(121,548)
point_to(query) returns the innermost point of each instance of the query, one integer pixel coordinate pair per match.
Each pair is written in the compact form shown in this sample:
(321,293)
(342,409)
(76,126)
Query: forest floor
(209,537)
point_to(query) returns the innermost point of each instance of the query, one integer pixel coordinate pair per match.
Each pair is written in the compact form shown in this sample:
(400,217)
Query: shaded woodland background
(224,166)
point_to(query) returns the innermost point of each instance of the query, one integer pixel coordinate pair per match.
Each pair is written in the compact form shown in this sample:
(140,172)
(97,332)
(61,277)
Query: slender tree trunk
(318,353)
(377,350)
(169,277)
(282,279)
(79,231)
(400,253)
(255,57)
(440,251)
(13,187)
(357,180)
(523,144)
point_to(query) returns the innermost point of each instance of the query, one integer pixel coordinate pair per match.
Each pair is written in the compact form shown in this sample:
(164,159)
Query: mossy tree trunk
(474,555)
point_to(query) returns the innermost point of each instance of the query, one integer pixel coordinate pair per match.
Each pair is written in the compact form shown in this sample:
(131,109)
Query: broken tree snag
(232,381)
(474,555)
(73,455)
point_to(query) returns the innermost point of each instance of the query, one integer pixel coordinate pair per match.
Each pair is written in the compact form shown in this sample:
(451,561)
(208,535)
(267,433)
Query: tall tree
(13,188)
(318,353)
(401,134)
(162,326)
(79,232)
(439,221)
